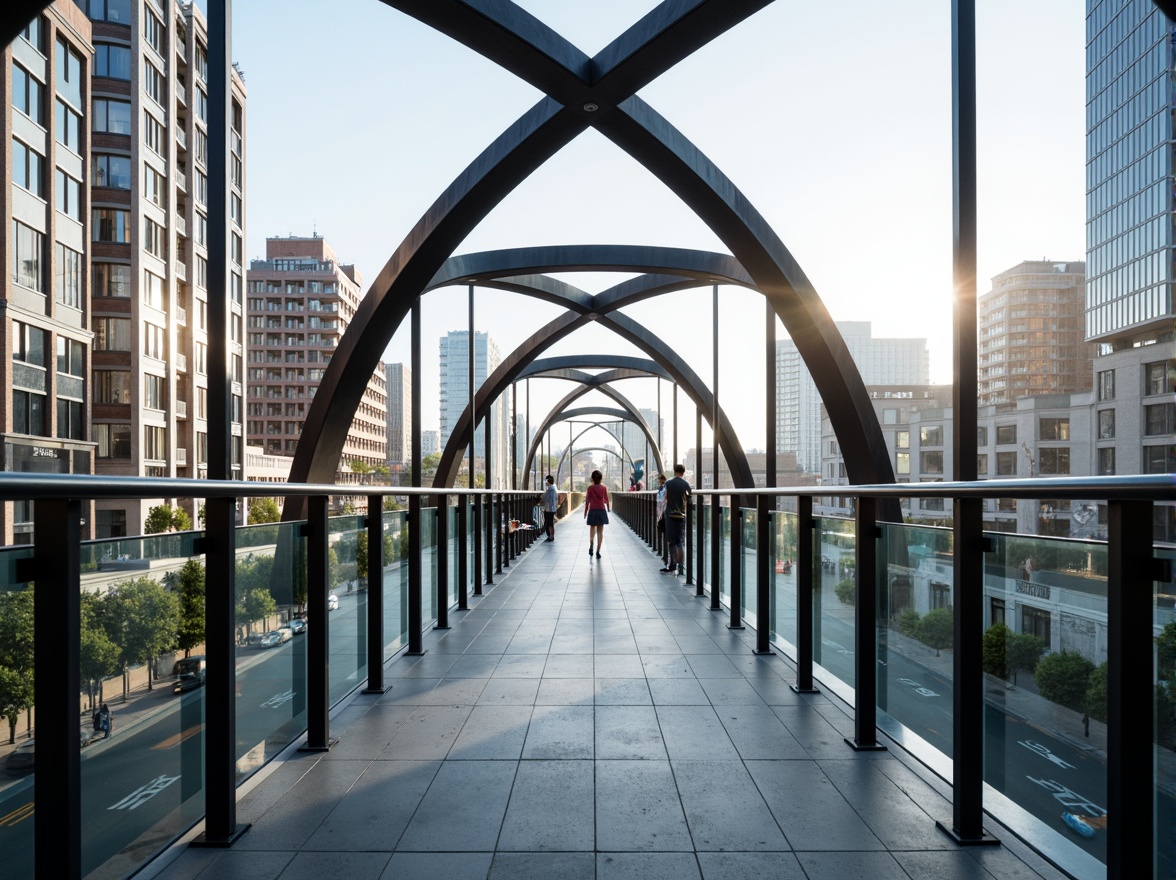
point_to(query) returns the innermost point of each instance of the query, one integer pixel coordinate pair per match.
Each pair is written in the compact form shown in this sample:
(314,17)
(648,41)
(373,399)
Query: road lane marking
(278,699)
(18,815)
(1068,798)
(1039,749)
(144,793)
(918,688)
(172,741)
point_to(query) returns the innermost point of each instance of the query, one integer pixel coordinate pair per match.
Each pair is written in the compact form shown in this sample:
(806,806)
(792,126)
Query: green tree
(361,555)
(142,618)
(264,510)
(165,518)
(1064,678)
(191,589)
(16,656)
(99,654)
(1166,652)
(1165,717)
(1096,693)
(256,604)
(1023,650)
(391,503)
(360,468)
(908,623)
(846,592)
(16,696)
(936,629)
(994,652)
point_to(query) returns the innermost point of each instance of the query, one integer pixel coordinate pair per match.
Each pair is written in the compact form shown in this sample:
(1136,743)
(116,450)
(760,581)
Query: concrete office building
(1131,165)
(430,442)
(634,443)
(45,337)
(149,259)
(301,300)
(1032,338)
(798,406)
(453,350)
(399,382)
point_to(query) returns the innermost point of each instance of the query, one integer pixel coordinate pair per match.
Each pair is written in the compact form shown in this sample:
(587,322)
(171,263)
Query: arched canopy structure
(564,457)
(596,92)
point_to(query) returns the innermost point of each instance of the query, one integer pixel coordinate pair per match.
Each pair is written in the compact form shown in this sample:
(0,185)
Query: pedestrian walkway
(593,719)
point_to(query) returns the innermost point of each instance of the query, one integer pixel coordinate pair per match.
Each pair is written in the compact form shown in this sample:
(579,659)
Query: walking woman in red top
(596,509)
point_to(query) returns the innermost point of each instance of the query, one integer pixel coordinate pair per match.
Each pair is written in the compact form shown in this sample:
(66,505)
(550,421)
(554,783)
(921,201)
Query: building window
(27,257)
(154,31)
(153,342)
(110,523)
(112,279)
(932,435)
(68,194)
(890,416)
(237,248)
(111,116)
(982,465)
(1053,461)
(112,386)
(201,61)
(71,357)
(69,420)
(69,127)
(67,279)
(1054,429)
(28,344)
(1106,385)
(940,595)
(201,359)
(931,462)
(902,439)
(1106,461)
(1106,424)
(154,238)
(153,83)
(112,60)
(28,168)
(998,611)
(1006,464)
(1159,459)
(201,225)
(154,443)
(200,145)
(1035,622)
(154,290)
(34,33)
(236,209)
(1006,435)
(981,436)
(154,186)
(69,73)
(1158,378)
(112,224)
(110,10)
(28,94)
(112,334)
(154,392)
(112,171)
(1158,419)
(201,105)
(201,188)
(114,441)
(153,134)
(28,413)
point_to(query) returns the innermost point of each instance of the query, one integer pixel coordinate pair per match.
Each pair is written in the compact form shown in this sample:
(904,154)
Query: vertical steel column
(692,512)
(463,549)
(375,597)
(491,518)
(318,643)
(220,688)
(804,595)
(1131,770)
(700,550)
(865,715)
(477,500)
(415,520)
(476,553)
(502,530)
(514,438)
(56,567)
(442,502)
(764,557)
(736,564)
(770,394)
(716,513)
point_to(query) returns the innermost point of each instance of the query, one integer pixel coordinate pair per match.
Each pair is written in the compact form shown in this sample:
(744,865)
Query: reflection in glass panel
(784,528)
(1165,674)
(347,559)
(16,649)
(747,572)
(429,563)
(833,598)
(395,582)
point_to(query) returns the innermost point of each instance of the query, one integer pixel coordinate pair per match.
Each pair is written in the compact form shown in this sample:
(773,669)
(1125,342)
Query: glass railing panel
(16,736)
(347,557)
(1164,790)
(429,563)
(1045,646)
(747,578)
(833,611)
(704,549)
(784,531)
(915,636)
(454,553)
(395,582)
(724,553)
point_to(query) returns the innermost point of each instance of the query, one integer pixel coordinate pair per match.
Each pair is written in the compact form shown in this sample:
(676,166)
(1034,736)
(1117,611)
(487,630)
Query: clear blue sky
(834,119)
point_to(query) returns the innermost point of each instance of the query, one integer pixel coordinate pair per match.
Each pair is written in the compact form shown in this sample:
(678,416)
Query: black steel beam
(804,566)
(375,595)
(318,633)
(865,684)
(442,533)
(765,555)
(736,564)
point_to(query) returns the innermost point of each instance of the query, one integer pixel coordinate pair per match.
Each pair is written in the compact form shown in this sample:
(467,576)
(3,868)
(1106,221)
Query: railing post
(968,666)
(716,551)
(688,558)
(56,568)
(463,549)
(804,569)
(499,529)
(489,539)
(478,537)
(375,596)
(865,715)
(220,683)
(736,565)
(318,644)
(442,502)
(416,620)
(1130,690)
(765,554)
(700,589)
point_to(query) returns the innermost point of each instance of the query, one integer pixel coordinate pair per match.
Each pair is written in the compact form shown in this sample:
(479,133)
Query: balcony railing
(891,624)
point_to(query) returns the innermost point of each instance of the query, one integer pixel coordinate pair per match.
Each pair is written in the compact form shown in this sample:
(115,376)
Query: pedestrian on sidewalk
(677,491)
(104,721)
(596,507)
(661,522)
(550,506)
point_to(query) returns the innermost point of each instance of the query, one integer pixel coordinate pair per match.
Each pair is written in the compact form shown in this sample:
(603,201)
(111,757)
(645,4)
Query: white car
(332,602)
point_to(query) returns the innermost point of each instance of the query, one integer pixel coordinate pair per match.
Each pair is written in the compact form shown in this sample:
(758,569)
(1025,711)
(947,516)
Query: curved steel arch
(603,449)
(594,361)
(598,92)
(604,426)
(617,414)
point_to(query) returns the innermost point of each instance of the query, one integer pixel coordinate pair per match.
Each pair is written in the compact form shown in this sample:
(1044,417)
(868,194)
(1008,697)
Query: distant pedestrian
(677,491)
(550,506)
(105,721)
(661,521)
(596,507)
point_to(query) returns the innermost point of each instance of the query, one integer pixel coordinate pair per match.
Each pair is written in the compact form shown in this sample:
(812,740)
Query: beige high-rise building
(149,274)
(1032,333)
(45,338)
(301,300)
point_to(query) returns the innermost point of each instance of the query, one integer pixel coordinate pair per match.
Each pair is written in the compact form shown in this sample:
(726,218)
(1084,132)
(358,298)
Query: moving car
(189,673)
(23,759)
(298,626)
(276,637)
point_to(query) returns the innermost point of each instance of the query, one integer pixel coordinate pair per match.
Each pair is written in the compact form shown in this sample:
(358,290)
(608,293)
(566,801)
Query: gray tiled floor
(592,719)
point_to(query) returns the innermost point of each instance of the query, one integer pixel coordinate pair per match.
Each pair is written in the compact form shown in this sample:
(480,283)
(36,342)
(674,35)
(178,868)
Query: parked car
(276,637)
(255,639)
(332,602)
(298,626)
(189,673)
(23,759)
